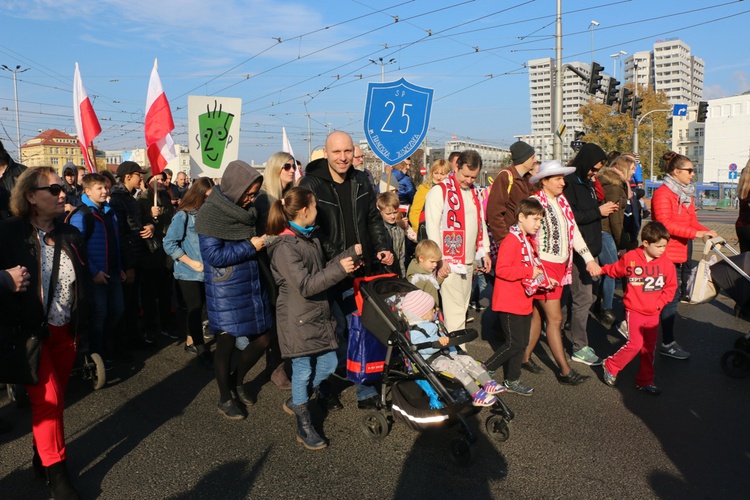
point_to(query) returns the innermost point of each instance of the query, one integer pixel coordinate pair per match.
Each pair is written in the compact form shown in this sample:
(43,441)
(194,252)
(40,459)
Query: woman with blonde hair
(615,240)
(278,178)
(438,171)
(277,181)
(742,226)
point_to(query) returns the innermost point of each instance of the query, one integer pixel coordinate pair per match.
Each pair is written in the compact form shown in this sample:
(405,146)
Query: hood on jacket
(70,167)
(237,179)
(319,168)
(588,156)
(609,176)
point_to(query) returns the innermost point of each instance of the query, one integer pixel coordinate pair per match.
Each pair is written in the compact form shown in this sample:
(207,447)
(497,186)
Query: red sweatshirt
(651,285)
(508,293)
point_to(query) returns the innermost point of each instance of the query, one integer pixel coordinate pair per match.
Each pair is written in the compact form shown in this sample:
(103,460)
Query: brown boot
(278,377)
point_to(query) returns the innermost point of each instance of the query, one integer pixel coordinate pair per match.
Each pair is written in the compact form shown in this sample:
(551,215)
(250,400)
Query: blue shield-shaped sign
(397,115)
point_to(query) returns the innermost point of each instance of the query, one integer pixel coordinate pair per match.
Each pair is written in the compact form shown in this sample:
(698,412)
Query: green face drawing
(214,136)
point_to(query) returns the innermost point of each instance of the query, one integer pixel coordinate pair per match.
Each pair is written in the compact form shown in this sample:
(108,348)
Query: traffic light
(612,92)
(626,100)
(595,79)
(637,105)
(702,111)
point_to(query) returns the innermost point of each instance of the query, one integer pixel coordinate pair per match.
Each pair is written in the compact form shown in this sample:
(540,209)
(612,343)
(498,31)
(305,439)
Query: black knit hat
(520,152)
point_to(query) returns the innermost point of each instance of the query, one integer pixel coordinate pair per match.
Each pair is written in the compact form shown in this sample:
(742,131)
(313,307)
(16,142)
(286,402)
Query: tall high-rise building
(669,67)
(575,95)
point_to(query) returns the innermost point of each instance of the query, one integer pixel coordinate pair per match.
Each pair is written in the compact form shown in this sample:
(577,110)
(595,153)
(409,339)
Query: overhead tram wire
(334,45)
(290,38)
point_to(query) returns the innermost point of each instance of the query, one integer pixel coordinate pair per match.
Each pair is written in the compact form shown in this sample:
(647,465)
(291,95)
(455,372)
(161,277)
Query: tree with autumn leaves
(605,126)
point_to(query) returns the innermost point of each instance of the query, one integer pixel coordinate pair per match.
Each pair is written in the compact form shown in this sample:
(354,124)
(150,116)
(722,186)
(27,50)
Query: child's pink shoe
(493,387)
(481,398)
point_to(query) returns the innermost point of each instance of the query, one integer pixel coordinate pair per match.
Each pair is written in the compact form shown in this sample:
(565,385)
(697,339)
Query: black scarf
(220,218)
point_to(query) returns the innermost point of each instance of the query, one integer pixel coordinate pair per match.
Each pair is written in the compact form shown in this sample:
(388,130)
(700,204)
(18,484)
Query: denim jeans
(106,308)
(302,368)
(342,307)
(669,313)
(608,255)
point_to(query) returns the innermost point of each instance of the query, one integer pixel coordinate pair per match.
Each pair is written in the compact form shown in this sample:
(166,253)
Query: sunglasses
(289,166)
(54,189)
(689,170)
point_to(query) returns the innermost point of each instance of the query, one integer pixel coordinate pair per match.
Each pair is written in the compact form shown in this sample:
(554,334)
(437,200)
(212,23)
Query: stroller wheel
(97,371)
(736,363)
(375,425)
(462,451)
(497,428)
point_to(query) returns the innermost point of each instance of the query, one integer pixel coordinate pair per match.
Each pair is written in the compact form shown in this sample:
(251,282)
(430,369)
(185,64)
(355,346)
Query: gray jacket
(303,315)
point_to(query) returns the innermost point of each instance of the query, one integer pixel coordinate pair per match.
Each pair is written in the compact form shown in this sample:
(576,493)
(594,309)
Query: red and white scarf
(530,258)
(570,222)
(454,225)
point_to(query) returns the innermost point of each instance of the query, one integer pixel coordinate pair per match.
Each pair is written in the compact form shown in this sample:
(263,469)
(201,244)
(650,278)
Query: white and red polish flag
(159,124)
(286,147)
(87,125)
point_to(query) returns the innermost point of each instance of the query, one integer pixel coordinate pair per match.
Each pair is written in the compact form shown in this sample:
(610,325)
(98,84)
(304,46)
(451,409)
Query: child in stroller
(419,309)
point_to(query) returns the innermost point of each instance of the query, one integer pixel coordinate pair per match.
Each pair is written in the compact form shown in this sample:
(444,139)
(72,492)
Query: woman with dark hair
(52,253)
(673,205)
(9,172)
(239,314)
(182,244)
(156,284)
(742,226)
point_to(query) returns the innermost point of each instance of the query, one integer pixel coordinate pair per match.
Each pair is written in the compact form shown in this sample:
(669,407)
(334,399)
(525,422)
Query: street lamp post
(592,24)
(635,135)
(15,93)
(382,63)
(616,58)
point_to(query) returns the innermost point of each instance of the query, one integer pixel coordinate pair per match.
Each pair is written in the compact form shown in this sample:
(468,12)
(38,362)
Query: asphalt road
(154,432)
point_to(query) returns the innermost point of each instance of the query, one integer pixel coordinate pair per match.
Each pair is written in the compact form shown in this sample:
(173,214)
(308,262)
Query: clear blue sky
(471,52)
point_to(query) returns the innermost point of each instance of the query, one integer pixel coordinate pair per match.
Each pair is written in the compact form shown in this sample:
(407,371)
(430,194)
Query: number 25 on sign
(397,116)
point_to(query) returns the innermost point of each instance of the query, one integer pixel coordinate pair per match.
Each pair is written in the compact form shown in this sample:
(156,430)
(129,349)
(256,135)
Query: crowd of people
(263,266)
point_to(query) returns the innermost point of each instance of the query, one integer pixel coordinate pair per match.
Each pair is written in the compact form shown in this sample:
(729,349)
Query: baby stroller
(407,375)
(730,275)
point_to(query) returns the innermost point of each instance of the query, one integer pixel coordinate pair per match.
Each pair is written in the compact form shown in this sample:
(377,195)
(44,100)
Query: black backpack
(88,219)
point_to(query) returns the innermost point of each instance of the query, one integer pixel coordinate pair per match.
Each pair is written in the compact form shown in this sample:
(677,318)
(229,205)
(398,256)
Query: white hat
(549,168)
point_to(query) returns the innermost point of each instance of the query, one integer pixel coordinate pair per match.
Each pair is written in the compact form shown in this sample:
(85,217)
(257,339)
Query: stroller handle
(463,337)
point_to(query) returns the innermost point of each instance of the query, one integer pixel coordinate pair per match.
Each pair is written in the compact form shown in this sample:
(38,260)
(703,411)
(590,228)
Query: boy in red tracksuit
(652,282)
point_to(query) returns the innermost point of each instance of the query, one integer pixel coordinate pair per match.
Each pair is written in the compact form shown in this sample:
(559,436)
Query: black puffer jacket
(130,225)
(21,247)
(303,314)
(579,191)
(368,224)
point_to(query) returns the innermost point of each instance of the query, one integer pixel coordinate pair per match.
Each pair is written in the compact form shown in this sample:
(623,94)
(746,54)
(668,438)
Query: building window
(54,161)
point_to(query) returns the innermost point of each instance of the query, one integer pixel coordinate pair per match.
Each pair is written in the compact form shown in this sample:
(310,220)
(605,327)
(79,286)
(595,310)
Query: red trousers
(643,331)
(48,396)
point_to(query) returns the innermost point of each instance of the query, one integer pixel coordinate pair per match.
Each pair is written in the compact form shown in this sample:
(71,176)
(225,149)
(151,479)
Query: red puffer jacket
(681,222)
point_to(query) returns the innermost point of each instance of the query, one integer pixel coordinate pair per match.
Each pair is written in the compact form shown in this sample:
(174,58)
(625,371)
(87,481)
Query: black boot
(305,431)
(36,461)
(59,483)
(328,402)
(244,396)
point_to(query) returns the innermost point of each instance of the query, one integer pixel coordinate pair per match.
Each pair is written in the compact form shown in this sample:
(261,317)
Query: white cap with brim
(550,168)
